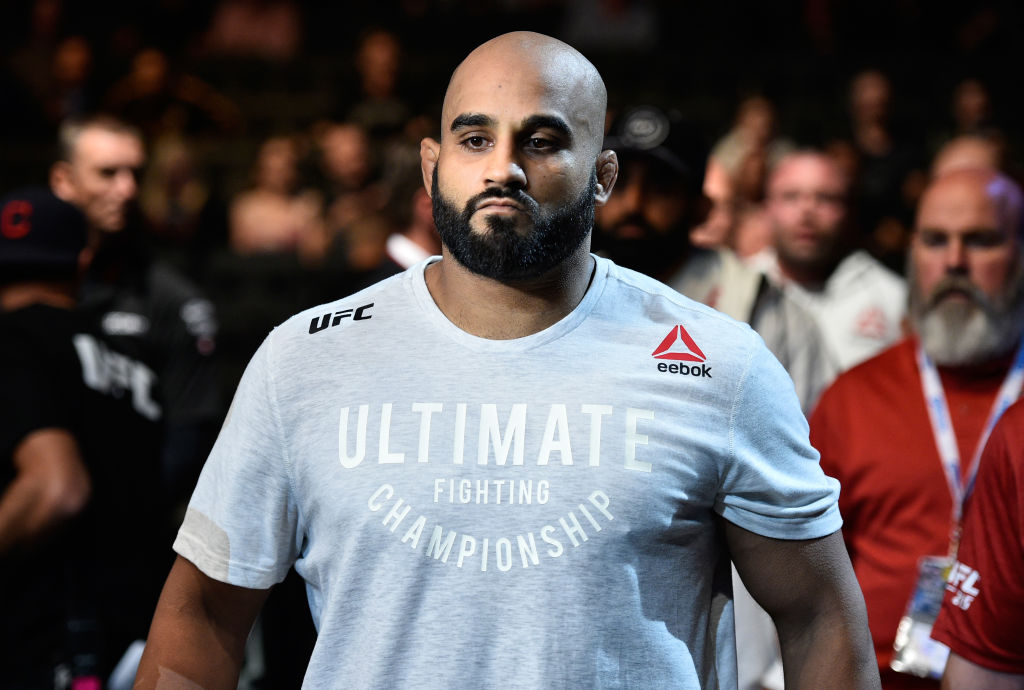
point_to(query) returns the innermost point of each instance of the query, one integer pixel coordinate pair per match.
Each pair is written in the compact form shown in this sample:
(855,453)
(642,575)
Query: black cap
(663,136)
(39,232)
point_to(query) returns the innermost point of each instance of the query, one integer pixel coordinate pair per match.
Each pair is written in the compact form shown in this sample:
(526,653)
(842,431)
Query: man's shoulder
(34,332)
(891,369)
(628,284)
(860,270)
(336,316)
(166,283)
(643,307)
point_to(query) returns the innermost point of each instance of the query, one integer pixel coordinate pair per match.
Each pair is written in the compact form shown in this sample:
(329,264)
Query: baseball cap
(663,136)
(39,232)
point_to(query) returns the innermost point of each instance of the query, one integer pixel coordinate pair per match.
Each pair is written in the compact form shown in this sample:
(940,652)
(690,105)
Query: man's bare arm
(962,674)
(198,635)
(809,589)
(51,485)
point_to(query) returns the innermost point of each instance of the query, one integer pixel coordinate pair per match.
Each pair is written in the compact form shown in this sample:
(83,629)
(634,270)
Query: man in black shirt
(79,469)
(144,306)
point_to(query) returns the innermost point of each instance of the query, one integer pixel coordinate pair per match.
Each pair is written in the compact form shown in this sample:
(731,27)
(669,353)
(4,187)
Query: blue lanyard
(942,423)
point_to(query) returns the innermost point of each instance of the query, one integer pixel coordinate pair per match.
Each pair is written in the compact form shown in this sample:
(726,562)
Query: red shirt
(982,616)
(874,434)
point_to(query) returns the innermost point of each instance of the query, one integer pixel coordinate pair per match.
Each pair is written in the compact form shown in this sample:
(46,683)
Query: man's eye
(474,142)
(984,239)
(540,143)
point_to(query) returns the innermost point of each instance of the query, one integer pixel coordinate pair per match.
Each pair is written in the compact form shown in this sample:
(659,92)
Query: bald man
(902,432)
(515,464)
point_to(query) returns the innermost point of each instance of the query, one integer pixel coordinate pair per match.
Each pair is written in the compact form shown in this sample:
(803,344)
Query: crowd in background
(279,134)
(283,138)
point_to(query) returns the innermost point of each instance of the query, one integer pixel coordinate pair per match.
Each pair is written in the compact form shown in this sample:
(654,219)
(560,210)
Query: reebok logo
(358,314)
(680,347)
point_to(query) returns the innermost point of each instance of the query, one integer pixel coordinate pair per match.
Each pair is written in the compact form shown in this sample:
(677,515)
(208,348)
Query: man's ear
(607,173)
(60,181)
(429,149)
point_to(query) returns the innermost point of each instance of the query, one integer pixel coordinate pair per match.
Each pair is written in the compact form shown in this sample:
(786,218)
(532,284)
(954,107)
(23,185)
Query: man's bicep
(789,577)
(230,607)
(199,629)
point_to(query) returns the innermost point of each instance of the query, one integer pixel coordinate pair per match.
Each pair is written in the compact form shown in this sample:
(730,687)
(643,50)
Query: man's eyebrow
(548,122)
(465,121)
(552,122)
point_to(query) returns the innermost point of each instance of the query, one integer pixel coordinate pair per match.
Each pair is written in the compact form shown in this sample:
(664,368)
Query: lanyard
(942,423)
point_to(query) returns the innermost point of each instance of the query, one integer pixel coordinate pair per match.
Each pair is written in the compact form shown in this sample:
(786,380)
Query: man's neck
(809,278)
(991,368)
(488,308)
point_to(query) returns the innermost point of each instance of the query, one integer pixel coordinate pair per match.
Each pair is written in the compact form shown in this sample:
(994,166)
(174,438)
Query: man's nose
(504,167)
(956,256)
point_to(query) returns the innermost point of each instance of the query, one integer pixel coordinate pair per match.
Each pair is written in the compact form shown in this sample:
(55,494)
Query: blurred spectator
(81,544)
(183,220)
(276,215)
(983,604)
(159,99)
(380,110)
(903,430)
(611,25)
(751,147)
(350,184)
(743,157)
(408,218)
(889,175)
(858,303)
(32,61)
(66,89)
(717,229)
(149,310)
(968,151)
(266,29)
(972,107)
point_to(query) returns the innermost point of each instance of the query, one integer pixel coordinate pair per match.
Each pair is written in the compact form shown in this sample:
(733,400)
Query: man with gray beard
(903,431)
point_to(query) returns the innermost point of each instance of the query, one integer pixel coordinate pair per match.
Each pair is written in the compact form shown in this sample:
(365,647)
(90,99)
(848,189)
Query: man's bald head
(967,189)
(547,63)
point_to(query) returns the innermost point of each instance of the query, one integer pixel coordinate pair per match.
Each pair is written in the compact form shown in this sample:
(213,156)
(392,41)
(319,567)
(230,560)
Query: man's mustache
(517,195)
(957,285)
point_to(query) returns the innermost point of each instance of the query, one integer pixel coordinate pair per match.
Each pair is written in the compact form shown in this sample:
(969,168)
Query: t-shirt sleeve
(772,483)
(241,524)
(983,608)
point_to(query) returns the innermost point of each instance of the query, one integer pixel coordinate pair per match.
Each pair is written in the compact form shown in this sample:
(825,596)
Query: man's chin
(960,333)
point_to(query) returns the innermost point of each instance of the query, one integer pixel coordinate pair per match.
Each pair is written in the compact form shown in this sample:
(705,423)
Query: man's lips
(953,294)
(500,206)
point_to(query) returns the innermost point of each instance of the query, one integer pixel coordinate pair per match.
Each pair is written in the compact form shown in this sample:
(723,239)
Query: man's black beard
(655,254)
(502,253)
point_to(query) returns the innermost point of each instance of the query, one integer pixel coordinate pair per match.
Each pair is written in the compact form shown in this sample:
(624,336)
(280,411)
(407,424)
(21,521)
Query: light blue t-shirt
(529,513)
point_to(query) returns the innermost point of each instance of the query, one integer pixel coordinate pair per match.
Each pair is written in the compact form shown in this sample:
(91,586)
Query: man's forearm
(962,674)
(184,650)
(50,487)
(829,650)
(809,589)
